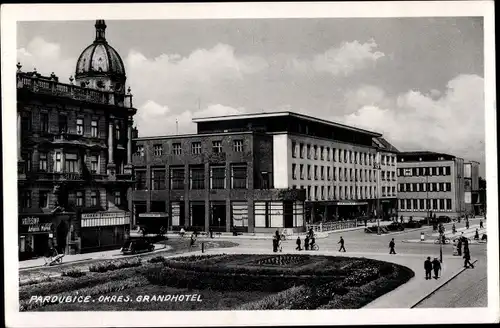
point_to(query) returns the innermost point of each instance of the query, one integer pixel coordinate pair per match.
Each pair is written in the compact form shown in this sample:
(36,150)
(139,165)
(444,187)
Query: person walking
(467,262)
(341,242)
(476,235)
(436,266)
(391,246)
(428,268)
(467,224)
(192,240)
(459,246)
(454,229)
(306,243)
(298,248)
(481,226)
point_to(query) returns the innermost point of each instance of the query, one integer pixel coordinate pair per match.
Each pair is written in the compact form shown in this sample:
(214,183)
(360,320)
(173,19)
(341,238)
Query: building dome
(99,65)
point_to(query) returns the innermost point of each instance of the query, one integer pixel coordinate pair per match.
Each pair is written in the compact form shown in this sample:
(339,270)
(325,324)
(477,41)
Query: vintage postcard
(249,164)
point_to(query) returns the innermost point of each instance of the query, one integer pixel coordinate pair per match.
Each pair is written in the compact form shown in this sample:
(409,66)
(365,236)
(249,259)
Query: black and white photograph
(335,161)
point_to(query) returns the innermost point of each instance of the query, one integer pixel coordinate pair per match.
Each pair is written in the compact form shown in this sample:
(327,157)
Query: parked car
(412,224)
(395,226)
(443,219)
(137,246)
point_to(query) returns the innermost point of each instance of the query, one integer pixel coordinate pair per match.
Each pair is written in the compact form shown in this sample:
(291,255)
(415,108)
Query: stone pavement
(104,255)
(406,295)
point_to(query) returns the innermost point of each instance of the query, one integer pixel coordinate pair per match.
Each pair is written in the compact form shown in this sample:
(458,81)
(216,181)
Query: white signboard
(468,197)
(101,219)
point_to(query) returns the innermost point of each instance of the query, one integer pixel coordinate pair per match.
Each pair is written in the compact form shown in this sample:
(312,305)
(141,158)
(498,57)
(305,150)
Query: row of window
(217,178)
(25,198)
(62,124)
(195,148)
(418,187)
(345,192)
(344,174)
(425,204)
(424,171)
(337,155)
(62,162)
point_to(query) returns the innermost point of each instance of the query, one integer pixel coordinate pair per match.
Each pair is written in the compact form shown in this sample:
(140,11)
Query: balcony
(43,85)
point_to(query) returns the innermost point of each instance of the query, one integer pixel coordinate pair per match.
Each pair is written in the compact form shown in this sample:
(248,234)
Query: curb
(45,266)
(440,286)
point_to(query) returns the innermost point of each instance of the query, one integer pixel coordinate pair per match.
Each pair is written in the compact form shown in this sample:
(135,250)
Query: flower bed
(115,265)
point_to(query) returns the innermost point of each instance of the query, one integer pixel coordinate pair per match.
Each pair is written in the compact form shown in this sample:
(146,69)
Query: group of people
(463,241)
(309,241)
(429,266)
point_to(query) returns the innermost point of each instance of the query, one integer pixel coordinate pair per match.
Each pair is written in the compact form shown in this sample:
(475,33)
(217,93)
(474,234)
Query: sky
(419,81)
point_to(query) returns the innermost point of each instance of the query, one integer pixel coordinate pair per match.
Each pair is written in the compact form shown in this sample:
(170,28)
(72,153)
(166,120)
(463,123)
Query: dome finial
(100,29)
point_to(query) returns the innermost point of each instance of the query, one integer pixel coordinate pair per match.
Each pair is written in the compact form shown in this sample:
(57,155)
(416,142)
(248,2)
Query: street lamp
(377,167)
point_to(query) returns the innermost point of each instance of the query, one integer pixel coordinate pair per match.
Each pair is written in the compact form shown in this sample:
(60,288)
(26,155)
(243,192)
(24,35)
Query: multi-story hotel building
(237,170)
(432,183)
(75,154)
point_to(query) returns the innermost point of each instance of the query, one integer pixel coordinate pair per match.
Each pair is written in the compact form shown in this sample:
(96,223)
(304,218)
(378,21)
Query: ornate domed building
(100,66)
(75,154)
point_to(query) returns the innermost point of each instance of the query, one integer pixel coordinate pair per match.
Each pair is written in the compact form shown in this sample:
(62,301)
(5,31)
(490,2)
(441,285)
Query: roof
(283,114)
(385,145)
(190,135)
(423,153)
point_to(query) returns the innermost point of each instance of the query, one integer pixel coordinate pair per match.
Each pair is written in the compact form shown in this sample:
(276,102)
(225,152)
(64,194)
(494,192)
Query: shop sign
(352,203)
(30,220)
(44,227)
(101,219)
(292,194)
(153,215)
(104,215)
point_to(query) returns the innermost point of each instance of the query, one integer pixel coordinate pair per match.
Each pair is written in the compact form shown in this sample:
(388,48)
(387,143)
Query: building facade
(431,183)
(74,155)
(246,164)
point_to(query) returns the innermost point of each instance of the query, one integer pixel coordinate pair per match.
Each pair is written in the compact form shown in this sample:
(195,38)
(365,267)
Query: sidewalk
(406,295)
(105,255)
(468,233)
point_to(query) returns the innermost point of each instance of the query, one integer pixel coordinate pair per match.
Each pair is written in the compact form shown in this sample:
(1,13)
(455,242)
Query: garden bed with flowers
(244,282)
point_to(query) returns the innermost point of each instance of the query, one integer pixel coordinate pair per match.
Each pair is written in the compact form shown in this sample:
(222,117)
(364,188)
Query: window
(70,163)
(218,177)
(158,150)
(94,198)
(316,172)
(441,204)
(239,176)
(177,178)
(309,192)
(335,154)
(393,190)
(448,204)
(322,173)
(93,129)
(408,204)
(421,204)
(355,157)
(328,173)
(301,150)
(329,192)
(416,187)
(196,147)
(415,204)
(383,175)
(197,178)
(316,192)
(383,191)
(334,174)
(140,177)
(301,171)
(321,152)
(94,164)
(294,171)
(345,174)
(341,157)
(435,204)
(43,199)
(346,156)
(42,167)
(447,170)
(26,199)
(79,198)
(308,151)
(238,146)
(118,198)
(309,173)
(294,149)
(322,192)
(422,186)
(328,153)
(431,171)
(158,176)
(139,151)
(428,204)
(79,126)
(351,176)
(176,148)
(315,152)
(44,122)
(117,131)
(402,204)
(217,146)
(448,186)
(441,186)
(63,124)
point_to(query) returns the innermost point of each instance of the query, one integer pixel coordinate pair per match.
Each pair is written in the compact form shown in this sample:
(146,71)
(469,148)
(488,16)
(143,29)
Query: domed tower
(100,66)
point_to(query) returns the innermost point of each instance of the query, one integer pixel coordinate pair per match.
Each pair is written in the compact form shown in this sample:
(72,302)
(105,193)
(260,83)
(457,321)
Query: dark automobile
(395,226)
(412,224)
(443,219)
(137,246)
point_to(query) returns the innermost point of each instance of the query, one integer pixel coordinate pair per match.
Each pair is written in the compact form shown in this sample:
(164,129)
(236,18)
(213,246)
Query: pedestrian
(211,232)
(280,246)
(401,219)
(391,246)
(454,229)
(459,246)
(436,266)
(192,240)
(481,224)
(476,236)
(275,244)
(467,259)
(306,243)
(298,248)
(428,268)
(467,224)
(341,242)
(365,222)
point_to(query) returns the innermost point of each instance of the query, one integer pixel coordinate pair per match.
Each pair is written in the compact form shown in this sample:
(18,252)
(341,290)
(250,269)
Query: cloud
(153,119)
(343,60)
(450,122)
(46,57)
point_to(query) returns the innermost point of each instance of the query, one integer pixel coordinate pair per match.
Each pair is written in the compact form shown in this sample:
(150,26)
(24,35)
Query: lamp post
(377,167)
(441,236)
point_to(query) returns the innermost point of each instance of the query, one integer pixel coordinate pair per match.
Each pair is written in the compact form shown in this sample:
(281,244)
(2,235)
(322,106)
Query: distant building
(260,172)
(74,155)
(434,183)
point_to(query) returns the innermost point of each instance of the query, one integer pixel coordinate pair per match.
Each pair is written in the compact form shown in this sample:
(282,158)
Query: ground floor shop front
(104,230)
